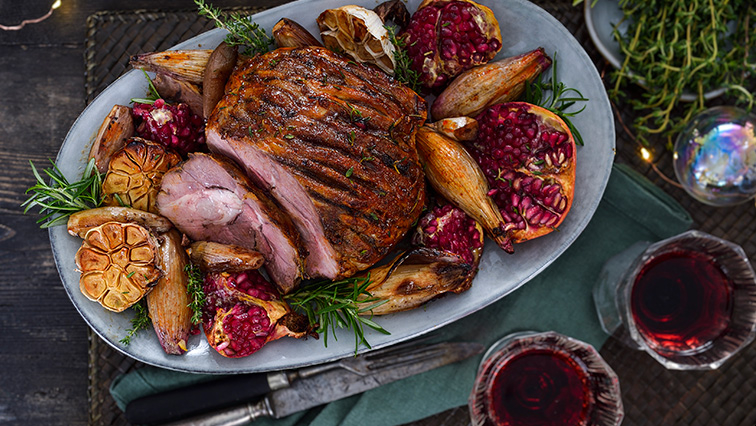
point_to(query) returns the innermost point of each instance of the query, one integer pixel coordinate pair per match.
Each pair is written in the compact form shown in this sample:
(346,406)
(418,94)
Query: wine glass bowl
(531,378)
(689,301)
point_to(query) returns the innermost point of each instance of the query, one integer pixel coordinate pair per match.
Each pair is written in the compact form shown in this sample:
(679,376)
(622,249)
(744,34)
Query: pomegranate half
(446,37)
(243,312)
(527,154)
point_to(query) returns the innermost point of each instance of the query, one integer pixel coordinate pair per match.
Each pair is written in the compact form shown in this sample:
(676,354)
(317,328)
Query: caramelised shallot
(415,277)
(168,302)
(217,257)
(117,127)
(177,91)
(219,68)
(81,222)
(288,33)
(184,65)
(458,128)
(485,85)
(455,175)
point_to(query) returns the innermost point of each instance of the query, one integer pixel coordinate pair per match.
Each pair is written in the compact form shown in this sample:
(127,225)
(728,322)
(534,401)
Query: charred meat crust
(344,131)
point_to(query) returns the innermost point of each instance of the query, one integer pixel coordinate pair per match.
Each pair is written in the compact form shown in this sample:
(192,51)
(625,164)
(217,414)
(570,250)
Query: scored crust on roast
(333,141)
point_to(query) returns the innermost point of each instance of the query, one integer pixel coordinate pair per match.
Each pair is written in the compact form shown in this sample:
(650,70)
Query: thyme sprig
(402,69)
(60,198)
(338,304)
(556,97)
(242,31)
(676,47)
(196,292)
(140,321)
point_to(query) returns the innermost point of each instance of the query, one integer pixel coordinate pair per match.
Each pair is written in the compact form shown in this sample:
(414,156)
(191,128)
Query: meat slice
(333,142)
(208,198)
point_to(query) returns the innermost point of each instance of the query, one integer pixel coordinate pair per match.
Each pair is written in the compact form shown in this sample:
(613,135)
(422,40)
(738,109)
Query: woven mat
(652,395)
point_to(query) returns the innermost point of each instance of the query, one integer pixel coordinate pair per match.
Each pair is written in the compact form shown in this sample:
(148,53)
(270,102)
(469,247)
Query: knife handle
(200,398)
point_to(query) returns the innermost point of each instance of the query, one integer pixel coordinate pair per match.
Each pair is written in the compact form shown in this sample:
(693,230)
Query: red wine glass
(543,379)
(689,301)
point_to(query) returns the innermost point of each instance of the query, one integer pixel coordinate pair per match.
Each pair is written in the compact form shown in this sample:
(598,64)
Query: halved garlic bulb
(359,33)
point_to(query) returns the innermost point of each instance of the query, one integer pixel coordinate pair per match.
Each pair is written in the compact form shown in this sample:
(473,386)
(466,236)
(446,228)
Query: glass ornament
(715,156)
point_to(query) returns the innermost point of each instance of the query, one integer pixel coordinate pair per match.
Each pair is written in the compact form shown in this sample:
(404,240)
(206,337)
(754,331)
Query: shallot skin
(168,302)
(496,82)
(455,175)
(416,277)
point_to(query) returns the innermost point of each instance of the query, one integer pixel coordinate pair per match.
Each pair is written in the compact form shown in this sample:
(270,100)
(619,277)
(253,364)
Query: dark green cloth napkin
(632,209)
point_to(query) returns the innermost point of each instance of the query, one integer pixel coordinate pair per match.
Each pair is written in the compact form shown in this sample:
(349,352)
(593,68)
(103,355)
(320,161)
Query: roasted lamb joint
(333,141)
(209,199)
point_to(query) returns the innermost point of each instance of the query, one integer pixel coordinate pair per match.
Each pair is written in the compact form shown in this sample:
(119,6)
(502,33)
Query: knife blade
(331,386)
(233,390)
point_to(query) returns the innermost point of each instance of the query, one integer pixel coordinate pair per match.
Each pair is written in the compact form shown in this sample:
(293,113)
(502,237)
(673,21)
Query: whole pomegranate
(171,125)
(446,37)
(527,154)
(243,312)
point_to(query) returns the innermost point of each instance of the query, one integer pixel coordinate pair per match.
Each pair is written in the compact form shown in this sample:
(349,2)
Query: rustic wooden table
(43,346)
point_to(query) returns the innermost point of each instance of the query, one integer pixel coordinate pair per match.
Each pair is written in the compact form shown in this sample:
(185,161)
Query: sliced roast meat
(208,198)
(333,141)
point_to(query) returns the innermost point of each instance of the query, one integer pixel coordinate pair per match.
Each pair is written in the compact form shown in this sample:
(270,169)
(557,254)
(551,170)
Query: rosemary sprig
(673,47)
(559,99)
(60,198)
(140,321)
(338,304)
(196,293)
(242,31)
(152,93)
(403,70)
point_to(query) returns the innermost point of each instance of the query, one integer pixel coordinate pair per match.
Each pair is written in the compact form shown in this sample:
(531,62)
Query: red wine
(681,301)
(539,387)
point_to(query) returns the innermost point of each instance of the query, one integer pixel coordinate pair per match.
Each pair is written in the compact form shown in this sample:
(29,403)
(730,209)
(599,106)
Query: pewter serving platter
(524,27)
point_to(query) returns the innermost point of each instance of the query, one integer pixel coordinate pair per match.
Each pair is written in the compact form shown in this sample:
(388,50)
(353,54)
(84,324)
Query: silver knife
(331,386)
(231,391)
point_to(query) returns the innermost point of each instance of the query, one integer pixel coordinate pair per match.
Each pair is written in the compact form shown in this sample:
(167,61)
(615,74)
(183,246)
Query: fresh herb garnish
(242,31)
(558,100)
(140,321)
(152,93)
(61,198)
(673,47)
(196,292)
(403,64)
(338,304)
